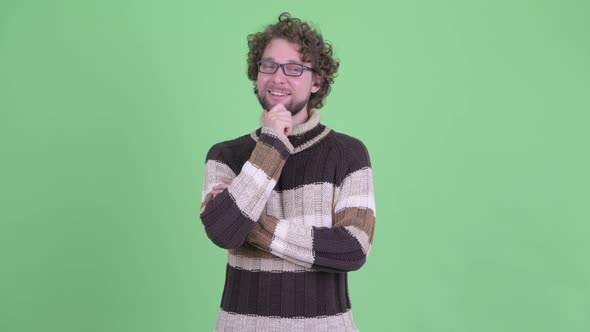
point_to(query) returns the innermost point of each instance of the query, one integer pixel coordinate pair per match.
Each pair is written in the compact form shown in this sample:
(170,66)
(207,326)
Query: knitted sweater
(297,216)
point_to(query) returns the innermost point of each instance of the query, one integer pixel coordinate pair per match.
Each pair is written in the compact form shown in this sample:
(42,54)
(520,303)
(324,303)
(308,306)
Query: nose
(279,75)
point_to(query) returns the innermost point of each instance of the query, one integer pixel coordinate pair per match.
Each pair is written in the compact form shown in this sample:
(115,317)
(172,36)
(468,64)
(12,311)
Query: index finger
(277,107)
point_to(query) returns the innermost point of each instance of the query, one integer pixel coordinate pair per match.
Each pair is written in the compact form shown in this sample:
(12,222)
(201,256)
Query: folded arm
(230,215)
(340,248)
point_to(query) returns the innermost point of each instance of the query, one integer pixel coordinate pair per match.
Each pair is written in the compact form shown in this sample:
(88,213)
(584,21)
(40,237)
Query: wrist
(268,133)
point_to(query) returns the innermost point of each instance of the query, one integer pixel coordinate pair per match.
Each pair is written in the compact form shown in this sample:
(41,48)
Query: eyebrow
(288,61)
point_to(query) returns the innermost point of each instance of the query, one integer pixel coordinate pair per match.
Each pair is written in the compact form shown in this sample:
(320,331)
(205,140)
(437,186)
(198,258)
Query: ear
(317,84)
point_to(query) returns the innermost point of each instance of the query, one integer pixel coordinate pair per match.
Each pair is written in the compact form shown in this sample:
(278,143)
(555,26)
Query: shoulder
(231,150)
(351,149)
(349,155)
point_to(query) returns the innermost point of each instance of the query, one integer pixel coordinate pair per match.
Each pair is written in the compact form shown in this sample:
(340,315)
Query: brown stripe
(263,232)
(325,164)
(361,218)
(276,143)
(267,159)
(248,250)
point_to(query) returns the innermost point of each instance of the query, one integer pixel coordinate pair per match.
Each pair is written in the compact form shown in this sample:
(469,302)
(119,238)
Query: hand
(279,119)
(221,187)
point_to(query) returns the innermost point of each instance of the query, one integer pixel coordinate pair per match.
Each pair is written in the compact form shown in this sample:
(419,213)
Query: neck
(301,117)
(305,134)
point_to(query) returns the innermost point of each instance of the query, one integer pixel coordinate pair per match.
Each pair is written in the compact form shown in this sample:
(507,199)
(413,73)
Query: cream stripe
(260,178)
(256,264)
(214,171)
(251,189)
(308,219)
(365,201)
(360,180)
(356,190)
(361,236)
(232,322)
(301,205)
(312,121)
(293,242)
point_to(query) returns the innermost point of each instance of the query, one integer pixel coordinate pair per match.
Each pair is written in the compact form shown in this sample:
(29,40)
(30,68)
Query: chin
(293,110)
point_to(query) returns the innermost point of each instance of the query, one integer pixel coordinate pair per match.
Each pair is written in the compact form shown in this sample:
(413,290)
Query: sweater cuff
(277,140)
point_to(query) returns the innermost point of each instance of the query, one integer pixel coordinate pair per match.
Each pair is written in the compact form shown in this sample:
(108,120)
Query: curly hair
(313,49)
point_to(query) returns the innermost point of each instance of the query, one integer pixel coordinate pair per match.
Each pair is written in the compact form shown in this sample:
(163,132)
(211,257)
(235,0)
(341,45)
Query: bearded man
(292,201)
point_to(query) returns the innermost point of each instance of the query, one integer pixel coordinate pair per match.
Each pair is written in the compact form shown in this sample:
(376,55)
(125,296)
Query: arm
(230,215)
(341,248)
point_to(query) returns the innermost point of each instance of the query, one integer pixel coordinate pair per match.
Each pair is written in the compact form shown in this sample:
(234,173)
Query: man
(292,201)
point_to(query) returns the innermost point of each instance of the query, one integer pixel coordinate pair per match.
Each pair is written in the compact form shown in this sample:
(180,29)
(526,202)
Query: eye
(267,65)
(293,69)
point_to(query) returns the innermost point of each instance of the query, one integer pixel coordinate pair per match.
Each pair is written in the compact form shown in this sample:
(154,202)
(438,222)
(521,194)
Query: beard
(292,106)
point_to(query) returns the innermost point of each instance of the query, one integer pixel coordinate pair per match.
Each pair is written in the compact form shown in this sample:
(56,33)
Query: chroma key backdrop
(475,115)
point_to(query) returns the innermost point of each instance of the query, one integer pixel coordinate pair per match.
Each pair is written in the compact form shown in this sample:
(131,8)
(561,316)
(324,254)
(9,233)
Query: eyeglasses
(289,69)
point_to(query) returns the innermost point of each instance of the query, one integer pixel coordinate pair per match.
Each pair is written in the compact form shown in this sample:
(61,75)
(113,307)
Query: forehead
(281,50)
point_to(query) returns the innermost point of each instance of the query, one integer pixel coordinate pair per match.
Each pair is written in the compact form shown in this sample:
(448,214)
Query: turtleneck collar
(303,135)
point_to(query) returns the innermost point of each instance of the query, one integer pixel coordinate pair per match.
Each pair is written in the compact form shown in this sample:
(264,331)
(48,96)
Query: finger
(277,108)
(280,115)
(220,187)
(226,180)
(288,129)
(280,118)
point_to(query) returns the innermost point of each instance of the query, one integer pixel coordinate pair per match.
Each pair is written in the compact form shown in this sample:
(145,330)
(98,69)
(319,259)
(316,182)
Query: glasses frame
(282,66)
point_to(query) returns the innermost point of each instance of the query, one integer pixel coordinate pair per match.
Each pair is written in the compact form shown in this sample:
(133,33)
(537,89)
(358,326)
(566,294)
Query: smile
(278,93)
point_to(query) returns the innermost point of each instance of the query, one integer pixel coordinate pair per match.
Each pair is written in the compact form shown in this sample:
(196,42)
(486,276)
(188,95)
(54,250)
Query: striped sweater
(297,216)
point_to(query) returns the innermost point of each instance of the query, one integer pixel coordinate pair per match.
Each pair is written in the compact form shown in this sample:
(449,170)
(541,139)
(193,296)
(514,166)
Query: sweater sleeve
(340,248)
(230,215)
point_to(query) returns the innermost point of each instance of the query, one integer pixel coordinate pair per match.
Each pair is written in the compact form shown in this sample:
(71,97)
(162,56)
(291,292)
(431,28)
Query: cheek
(260,82)
(304,88)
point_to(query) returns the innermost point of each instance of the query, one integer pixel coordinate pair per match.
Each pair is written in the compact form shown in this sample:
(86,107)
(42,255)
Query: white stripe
(258,175)
(256,264)
(232,322)
(361,236)
(251,189)
(214,171)
(302,206)
(293,242)
(362,177)
(278,246)
(367,202)
(356,190)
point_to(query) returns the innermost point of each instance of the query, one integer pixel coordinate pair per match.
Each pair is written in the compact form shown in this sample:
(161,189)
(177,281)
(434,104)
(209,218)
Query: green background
(475,114)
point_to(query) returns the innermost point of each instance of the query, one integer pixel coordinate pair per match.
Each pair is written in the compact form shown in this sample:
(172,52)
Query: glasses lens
(267,67)
(293,69)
